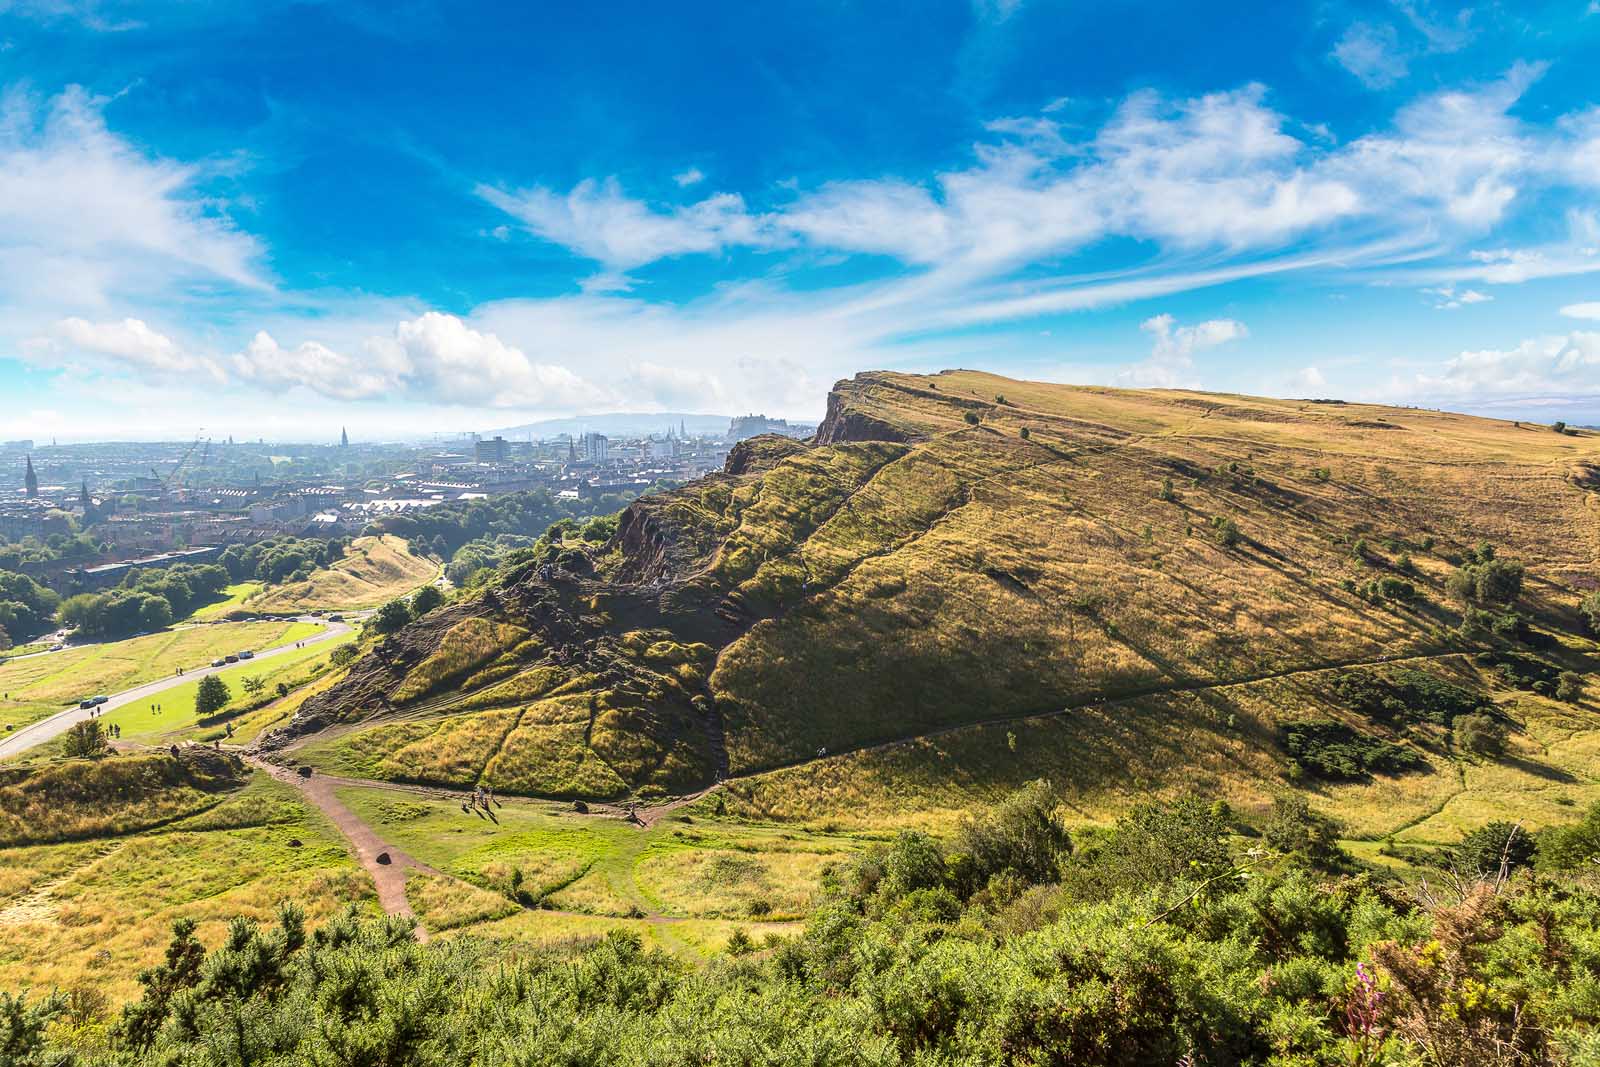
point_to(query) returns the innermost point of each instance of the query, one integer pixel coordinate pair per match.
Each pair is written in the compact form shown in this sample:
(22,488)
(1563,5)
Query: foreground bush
(1183,953)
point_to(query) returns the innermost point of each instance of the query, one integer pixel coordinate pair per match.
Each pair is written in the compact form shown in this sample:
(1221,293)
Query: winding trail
(389,872)
(38,733)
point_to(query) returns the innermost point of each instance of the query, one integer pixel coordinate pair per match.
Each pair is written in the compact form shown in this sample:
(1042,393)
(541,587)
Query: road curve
(38,733)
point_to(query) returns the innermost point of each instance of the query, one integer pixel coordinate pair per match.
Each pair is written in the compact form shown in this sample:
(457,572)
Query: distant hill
(964,582)
(621,424)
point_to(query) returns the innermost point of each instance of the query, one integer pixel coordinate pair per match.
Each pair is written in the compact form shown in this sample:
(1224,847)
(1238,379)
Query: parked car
(92,702)
(219,663)
(57,648)
(247,655)
(336,617)
(231,658)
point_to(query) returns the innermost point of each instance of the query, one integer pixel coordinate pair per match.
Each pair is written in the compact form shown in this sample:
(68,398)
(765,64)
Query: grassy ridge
(1168,555)
(374,571)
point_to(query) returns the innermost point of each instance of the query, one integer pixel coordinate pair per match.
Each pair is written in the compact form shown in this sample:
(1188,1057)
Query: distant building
(30,480)
(344,438)
(596,447)
(744,426)
(497,450)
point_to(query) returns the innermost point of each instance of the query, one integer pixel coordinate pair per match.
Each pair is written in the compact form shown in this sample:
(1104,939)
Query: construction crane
(166,483)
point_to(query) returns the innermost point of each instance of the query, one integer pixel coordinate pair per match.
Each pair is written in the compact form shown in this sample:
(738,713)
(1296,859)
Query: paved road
(38,733)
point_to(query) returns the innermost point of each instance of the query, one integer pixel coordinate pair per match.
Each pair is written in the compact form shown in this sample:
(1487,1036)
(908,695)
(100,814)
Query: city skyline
(284,217)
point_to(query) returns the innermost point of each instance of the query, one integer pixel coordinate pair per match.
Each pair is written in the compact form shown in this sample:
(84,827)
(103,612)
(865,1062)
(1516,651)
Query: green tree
(425,600)
(1569,686)
(1481,735)
(180,970)
(85,740)
(253,685)
(212,696)
(1306,836)
(391,617)
(970,418)
(22,1030)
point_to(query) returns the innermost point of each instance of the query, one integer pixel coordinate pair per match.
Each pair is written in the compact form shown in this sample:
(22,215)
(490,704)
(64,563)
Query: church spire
(30,480)
(344,438)
(83,496)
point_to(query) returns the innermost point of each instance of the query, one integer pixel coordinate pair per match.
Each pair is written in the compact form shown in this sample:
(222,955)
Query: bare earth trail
(389,875)
(44,730)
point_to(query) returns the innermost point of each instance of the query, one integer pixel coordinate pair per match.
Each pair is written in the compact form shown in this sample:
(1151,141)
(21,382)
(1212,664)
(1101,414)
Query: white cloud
(1171,364)
(374,374)
(598,221)
(1590,310)
(1537,370)
(86,217)
(1371,53)
(132,343)
(451,362)
(1449,298)
(1308,379)
(686,178)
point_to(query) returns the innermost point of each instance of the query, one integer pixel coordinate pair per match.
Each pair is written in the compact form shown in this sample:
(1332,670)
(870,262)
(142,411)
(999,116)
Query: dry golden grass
(863,593)
(446,903)
(469,643)
(94,914)
(373,572)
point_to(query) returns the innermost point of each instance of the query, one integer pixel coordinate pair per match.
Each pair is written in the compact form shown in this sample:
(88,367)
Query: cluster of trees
(1483,579)
(476,535)
(282,559)
(146,600)
(397,613)
(1156,941)
(69,544)
(27,608)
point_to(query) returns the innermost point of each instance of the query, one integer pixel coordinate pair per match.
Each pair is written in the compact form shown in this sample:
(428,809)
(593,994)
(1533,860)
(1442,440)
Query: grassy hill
(375,570)
(964,581)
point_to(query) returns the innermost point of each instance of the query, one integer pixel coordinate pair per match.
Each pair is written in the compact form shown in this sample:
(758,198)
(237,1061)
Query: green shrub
(1480,735)
(1335,751)
(1305,836)
(1484,851)
(1590,606)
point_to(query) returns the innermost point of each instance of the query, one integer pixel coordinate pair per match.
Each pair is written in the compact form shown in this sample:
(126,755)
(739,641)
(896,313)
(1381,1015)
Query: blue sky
(274,218)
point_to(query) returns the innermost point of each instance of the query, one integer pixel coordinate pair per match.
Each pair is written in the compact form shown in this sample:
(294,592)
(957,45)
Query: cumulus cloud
(133,344)
(1589,310)
(372,374)
(434,358)
(686,178)
(1171,364)
(1561,367)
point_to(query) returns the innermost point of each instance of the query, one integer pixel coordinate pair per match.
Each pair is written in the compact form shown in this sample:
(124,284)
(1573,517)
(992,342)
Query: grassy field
(176,715)
(90,914)
(35,688)
(686,883)
(374,571)
(233,597)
